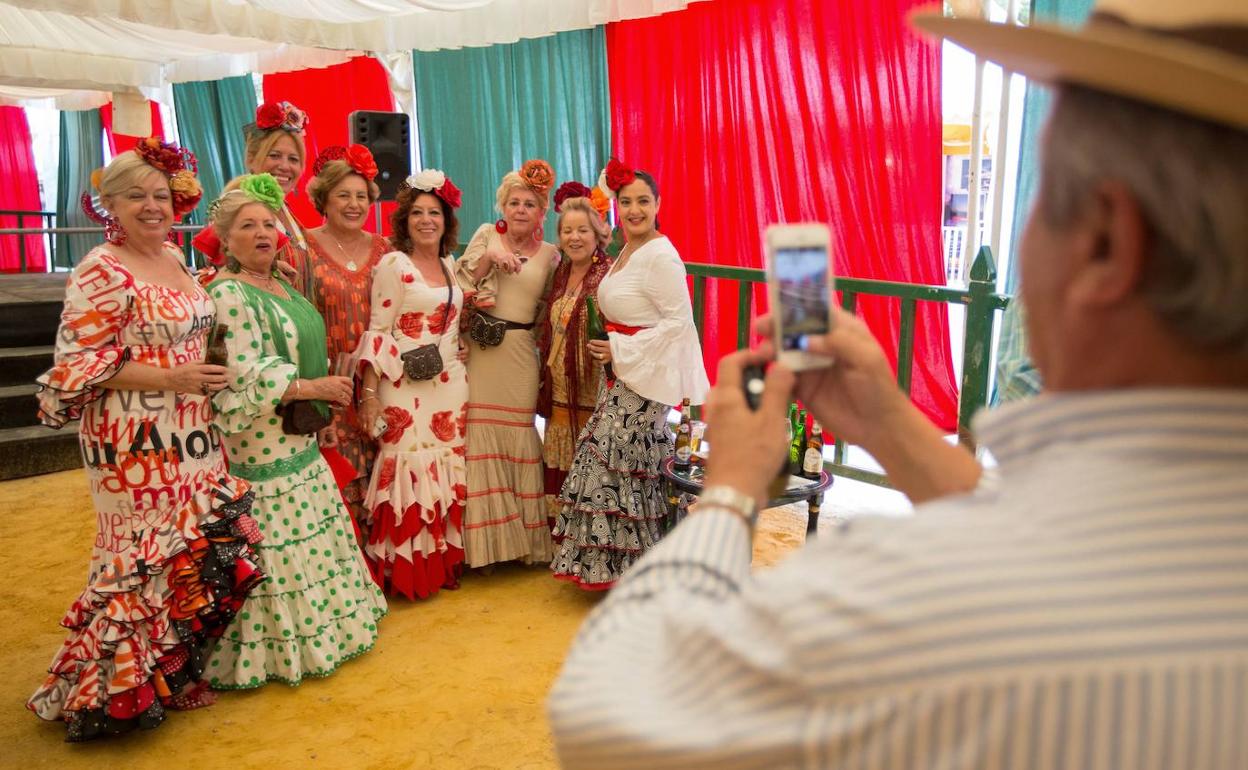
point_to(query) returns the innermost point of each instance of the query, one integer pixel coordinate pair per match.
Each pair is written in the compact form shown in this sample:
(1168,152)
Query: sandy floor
(458,681)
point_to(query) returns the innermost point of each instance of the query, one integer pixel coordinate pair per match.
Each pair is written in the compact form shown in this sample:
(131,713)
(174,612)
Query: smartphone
(800,283)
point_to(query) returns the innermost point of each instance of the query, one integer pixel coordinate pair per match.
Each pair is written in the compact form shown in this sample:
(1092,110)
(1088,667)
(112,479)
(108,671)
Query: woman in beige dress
(505,270)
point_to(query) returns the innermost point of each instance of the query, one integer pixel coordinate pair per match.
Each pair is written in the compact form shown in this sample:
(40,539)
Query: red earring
(500,226)
(538,233)
(114,233)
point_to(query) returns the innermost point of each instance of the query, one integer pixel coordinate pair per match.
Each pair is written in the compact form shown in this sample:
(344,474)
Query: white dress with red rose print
(417,491)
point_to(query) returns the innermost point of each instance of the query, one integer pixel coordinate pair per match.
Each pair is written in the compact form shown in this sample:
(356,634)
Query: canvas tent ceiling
(77,51)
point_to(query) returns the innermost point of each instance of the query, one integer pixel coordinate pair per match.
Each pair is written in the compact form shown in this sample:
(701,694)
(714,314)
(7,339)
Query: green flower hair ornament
(263,188)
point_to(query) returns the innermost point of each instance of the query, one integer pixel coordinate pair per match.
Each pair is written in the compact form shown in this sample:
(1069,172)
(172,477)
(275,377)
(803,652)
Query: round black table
(689,481)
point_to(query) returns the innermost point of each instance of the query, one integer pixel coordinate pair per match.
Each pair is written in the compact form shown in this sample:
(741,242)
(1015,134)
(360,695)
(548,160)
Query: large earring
(500,226)
(538,233)
(114,233)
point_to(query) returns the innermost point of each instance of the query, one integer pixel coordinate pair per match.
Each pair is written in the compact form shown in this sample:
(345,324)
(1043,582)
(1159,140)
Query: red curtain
(19,191)
(118,143)
(328,96)
(787,111)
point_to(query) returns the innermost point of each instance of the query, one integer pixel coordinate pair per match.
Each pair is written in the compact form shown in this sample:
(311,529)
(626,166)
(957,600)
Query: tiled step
(20,366)
(17,406)
(35,449)
(23,324)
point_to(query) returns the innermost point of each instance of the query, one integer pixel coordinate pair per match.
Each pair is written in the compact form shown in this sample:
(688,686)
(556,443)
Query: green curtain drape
(81,152)
(481,112)
(1015,375)
(211,116)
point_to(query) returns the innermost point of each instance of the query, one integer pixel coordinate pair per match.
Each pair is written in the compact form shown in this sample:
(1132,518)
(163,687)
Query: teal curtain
(481,112)
(1015,375)
(211,116)
(81,152)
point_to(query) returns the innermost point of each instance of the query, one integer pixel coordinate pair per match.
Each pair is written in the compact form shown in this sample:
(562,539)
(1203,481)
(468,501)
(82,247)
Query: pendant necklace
(350,261)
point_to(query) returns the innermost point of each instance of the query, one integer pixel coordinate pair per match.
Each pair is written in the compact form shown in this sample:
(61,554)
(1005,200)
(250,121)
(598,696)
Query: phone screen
(802,276)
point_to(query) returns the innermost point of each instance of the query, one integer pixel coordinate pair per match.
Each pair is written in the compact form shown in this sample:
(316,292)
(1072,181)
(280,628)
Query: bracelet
(369,390)
(298,387)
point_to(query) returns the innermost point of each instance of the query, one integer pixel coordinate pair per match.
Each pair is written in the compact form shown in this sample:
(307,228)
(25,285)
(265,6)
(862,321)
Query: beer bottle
(812,514)
(595,329)
(798,444)
(217,354)
(684,439)
(812,463)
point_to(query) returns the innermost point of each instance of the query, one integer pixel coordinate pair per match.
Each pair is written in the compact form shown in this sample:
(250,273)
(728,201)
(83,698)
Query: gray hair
(1190,179)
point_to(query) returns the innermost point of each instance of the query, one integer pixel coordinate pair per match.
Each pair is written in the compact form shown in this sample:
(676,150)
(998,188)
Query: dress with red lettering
(171,563)
(417,491)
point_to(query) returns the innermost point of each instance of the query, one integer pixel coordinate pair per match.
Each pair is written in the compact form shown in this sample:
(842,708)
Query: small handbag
(486,330)
(302,418)
(425,362)
(422,363)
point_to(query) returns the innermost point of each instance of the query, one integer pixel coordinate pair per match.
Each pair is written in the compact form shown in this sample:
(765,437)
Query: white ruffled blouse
(662,362)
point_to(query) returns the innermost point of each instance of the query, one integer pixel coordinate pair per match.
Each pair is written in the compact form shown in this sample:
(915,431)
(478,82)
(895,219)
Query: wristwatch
(725,497)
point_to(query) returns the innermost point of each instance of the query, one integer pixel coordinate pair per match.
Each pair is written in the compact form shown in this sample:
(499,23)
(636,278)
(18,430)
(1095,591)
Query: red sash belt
(627,331)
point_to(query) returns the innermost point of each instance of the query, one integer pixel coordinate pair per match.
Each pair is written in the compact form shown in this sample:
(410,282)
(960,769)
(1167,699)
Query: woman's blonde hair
(512,180)
(601,230)
(125,171)
(260,144)
(321,185)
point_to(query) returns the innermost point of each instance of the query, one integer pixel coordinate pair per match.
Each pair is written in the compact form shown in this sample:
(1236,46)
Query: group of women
(368,427)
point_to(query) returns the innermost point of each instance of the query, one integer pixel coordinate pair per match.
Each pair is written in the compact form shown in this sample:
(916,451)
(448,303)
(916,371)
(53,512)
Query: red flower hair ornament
(431,180)
(615,176)
(283,115)
(571,189)
(357,157)
(179,165)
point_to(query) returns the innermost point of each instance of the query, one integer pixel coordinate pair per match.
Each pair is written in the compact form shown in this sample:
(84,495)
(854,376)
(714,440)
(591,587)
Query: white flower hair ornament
(428,180)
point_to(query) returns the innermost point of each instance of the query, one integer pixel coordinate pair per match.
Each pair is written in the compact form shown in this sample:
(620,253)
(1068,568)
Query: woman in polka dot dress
(319,606)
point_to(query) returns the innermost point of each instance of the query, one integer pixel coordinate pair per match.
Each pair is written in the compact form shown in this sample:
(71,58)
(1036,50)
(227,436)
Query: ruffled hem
(424,480)
(417,553)
(260,392)
(139,638)
(613,505)
(319,603)
(57,405)
(505,517)
(379,351)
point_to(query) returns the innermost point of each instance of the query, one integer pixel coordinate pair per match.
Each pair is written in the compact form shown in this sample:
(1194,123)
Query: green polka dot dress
(319,606)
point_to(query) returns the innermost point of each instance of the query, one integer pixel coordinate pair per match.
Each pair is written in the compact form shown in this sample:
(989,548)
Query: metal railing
(982,303)
(47,220)
(182,235)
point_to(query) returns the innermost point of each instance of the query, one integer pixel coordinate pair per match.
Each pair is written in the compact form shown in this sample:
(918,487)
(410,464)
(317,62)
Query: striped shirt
(1087,610)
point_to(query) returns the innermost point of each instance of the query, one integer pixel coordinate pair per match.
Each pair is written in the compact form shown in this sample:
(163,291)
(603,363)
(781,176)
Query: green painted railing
(982,303)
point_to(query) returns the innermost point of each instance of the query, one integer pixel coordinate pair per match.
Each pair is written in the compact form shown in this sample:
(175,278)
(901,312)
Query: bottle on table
(217,354)
(812,461)
(797,445)
(684,439)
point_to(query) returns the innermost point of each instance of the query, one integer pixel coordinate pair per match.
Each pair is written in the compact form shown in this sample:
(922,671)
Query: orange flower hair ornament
(538,175)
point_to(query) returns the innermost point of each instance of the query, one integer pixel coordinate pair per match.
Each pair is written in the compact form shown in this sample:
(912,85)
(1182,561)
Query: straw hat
(1190,56)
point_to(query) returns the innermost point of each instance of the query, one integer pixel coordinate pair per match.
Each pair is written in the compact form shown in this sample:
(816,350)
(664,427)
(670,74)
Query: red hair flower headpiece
(177,163)
(538,175)
(357,156)
(571,189)
(615,176)
(431,180)
(283,115)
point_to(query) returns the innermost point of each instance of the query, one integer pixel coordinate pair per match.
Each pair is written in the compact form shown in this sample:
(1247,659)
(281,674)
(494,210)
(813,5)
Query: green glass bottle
(595,329)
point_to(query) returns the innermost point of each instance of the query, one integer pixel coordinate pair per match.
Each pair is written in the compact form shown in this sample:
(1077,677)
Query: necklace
(266,281)
(350,260)
(515,250)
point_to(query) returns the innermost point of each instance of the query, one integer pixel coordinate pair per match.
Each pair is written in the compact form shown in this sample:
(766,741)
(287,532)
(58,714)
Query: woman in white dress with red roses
(416,496)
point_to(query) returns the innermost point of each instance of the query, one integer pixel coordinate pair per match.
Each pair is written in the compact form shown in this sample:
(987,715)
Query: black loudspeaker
(388,136)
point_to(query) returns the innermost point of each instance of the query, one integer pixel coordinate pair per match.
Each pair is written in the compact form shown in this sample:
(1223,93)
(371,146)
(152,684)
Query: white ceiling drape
(76,51)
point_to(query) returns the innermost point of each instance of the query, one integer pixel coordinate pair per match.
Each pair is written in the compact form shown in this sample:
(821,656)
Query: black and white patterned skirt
(613,504)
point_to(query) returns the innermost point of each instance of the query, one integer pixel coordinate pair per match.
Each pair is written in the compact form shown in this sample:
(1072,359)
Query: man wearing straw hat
(1085,605)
